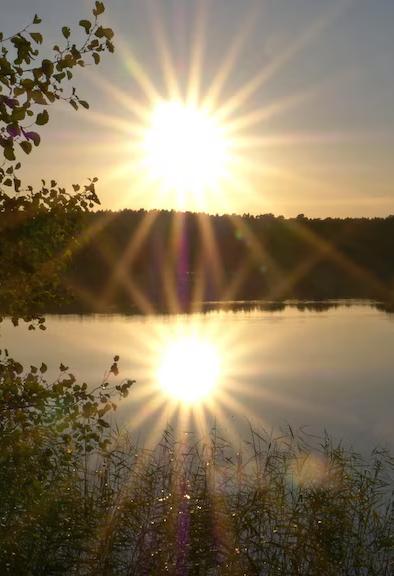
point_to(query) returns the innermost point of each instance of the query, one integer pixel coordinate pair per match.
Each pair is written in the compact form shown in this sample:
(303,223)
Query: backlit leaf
(26,146)
(86,25)
(42,118)
(37,37)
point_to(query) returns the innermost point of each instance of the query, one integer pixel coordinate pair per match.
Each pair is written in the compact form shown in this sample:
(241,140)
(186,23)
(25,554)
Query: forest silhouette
(174,261)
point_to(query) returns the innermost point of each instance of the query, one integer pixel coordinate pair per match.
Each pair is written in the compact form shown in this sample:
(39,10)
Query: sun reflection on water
(193,373)
(189,369)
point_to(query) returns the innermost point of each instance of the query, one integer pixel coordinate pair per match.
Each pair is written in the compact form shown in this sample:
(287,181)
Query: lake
(325,366)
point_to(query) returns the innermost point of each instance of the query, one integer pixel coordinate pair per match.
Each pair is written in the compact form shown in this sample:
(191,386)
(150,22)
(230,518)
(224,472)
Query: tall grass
(286,505)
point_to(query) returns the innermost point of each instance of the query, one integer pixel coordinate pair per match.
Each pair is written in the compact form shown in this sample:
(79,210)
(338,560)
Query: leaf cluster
(49,431)
(38,226)
(39,232)
(61,420)
(30,83)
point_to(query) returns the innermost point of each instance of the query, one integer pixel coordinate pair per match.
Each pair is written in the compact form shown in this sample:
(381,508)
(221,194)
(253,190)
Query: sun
(185,149)
(189,369)
(193,138)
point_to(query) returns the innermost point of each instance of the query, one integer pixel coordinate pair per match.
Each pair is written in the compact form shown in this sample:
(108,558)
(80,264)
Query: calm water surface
(324,370)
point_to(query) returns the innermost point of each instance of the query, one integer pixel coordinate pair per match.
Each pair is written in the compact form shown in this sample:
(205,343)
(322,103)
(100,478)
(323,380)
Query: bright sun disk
(184,148)
(189,369)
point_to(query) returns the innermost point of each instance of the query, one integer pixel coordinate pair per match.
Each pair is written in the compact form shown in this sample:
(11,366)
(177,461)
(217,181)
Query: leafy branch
(29,84)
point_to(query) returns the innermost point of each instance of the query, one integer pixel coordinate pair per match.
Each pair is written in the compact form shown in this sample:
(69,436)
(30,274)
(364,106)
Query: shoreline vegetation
(79,309)
(78,496)
(141,261)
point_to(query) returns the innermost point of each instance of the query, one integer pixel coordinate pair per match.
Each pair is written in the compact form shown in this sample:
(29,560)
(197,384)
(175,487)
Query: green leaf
(108,33)
(37,73)
(37,19)
(7,182)
(18,114)
(84,104)
(59,77)
(37,37)
(96,57)
(66,32)
(38,97)
(47,67)
(26,146)
(51,96)
(99,9)
(74,104)
(42,118)
(27,83)
(9,153)
(86,25)
(102,423)
(99,32)
(18,90)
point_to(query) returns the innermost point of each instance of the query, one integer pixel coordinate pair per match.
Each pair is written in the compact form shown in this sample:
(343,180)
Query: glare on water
(306,368)
(189,369)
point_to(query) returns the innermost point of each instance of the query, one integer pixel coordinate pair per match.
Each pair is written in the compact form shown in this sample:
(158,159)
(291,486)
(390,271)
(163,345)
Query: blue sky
(333,60)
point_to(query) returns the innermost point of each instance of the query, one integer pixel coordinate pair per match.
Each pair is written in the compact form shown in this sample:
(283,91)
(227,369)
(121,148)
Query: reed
(286,504)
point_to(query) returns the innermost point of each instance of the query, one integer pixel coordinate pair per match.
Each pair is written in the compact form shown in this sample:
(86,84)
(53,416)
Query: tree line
(186,257)
(167,260)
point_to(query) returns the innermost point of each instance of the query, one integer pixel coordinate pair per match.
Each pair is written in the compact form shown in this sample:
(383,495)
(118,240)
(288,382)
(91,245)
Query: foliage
(47,432)
(197,506)
(36,241)
(38,236)
(29,83)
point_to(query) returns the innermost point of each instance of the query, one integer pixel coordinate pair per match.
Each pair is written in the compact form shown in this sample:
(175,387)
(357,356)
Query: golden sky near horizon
(247,107)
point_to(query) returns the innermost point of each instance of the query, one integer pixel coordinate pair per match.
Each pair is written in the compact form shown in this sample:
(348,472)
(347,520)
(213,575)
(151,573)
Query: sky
(317,125)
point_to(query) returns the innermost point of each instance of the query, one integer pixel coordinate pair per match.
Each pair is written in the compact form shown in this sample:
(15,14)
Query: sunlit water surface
(331,370)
